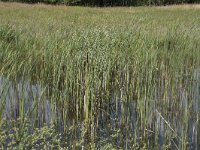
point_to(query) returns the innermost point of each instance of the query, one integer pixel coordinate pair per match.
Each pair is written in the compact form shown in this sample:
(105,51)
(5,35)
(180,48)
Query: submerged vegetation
(91,78)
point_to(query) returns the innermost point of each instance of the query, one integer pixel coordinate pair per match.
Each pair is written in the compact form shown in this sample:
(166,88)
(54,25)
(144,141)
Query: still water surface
(115,124)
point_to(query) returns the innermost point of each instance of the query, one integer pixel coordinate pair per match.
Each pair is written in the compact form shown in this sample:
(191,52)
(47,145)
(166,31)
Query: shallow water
(117,123)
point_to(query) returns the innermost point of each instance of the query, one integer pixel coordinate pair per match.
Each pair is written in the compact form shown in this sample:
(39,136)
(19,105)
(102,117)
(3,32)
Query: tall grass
(121,78)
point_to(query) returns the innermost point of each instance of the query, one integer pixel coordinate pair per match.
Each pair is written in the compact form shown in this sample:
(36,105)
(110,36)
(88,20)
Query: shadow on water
(118,122)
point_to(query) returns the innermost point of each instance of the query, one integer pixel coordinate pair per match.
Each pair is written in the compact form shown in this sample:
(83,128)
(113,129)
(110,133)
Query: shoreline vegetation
(99,78)
(40,4)
(109,3)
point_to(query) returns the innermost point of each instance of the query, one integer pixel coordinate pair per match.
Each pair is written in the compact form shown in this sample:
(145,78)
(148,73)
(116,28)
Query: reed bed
(99,78)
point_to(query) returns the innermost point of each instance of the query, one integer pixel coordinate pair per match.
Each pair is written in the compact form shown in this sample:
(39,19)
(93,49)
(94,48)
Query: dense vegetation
(99,78)
(110,2)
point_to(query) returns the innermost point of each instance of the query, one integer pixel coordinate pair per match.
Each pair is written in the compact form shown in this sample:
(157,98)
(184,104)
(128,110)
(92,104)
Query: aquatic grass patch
(8,34)
(116,80)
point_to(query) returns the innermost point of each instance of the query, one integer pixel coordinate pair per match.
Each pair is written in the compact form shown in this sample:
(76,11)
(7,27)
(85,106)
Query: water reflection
(13,94)
(116,124)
